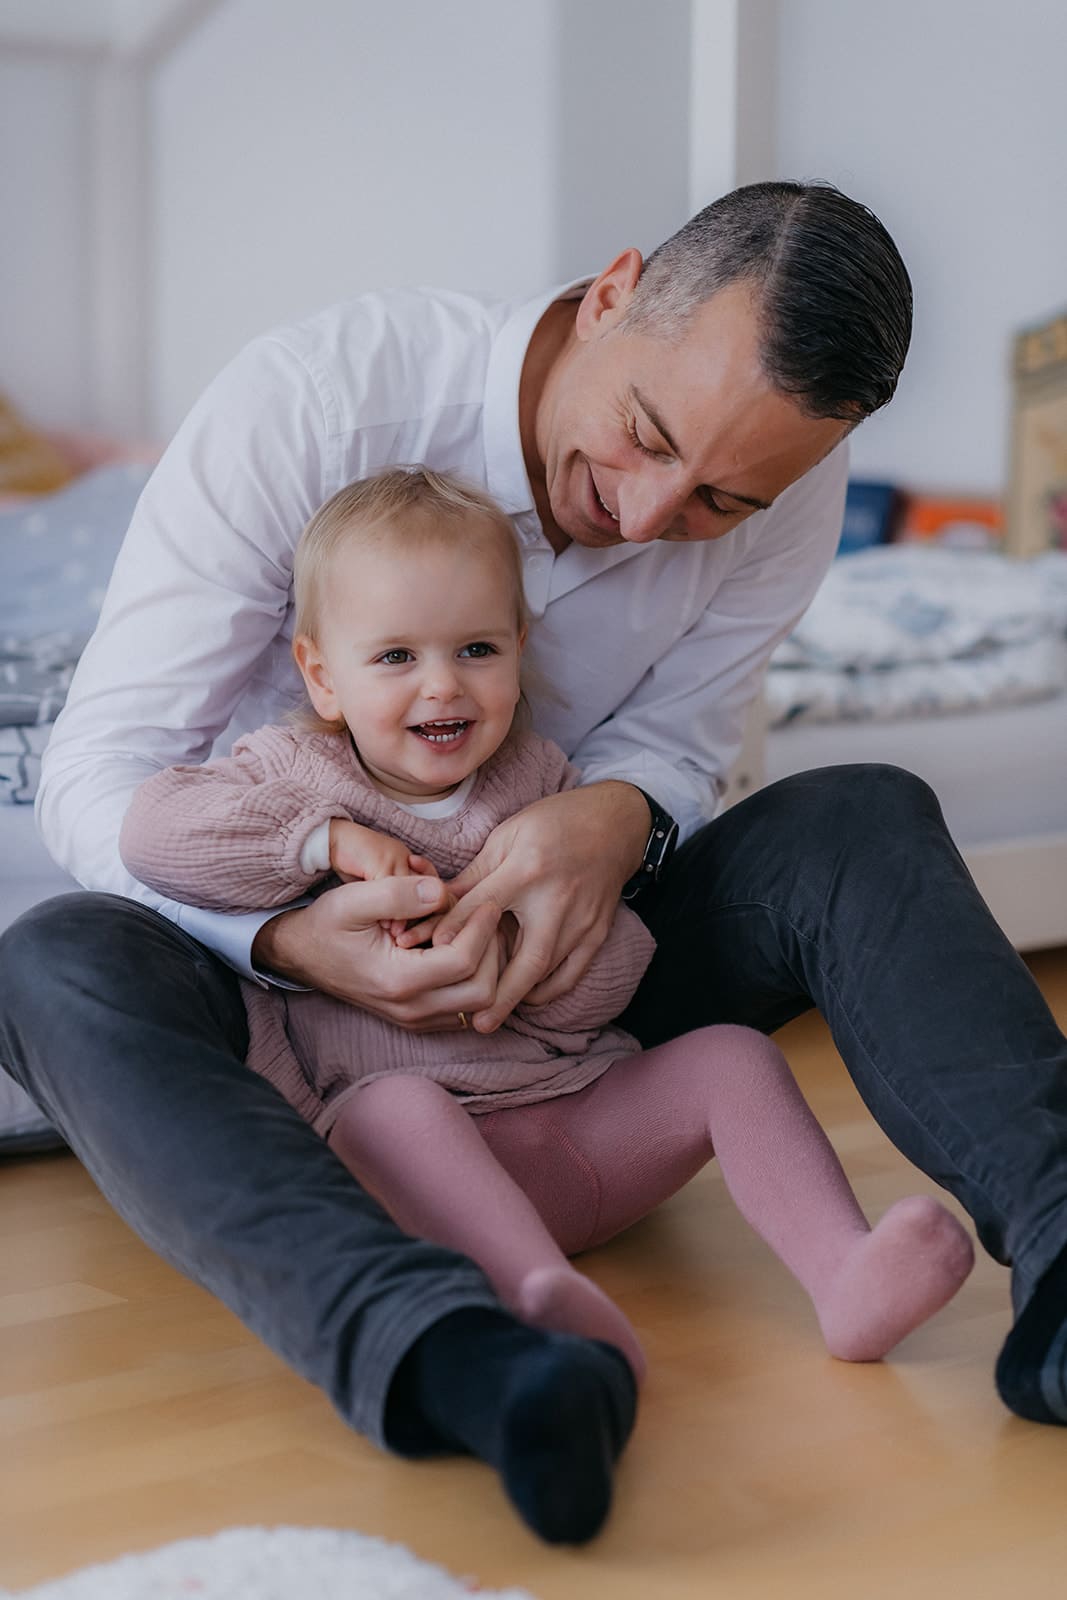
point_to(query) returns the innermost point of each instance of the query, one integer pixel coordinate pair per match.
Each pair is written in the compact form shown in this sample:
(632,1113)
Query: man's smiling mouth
(598,498)
(612,514)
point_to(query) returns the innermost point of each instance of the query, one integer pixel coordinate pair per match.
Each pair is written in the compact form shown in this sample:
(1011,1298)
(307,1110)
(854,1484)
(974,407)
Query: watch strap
(662,838)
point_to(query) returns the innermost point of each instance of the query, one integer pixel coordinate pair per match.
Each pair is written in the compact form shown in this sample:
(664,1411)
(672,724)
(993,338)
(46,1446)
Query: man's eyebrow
(661,428)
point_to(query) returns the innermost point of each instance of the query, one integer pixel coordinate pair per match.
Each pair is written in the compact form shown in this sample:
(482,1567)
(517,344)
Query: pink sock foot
(563,1301)
(893,1279)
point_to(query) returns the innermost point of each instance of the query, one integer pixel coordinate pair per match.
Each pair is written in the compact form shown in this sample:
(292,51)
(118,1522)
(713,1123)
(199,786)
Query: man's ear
(316,676)
(608,296)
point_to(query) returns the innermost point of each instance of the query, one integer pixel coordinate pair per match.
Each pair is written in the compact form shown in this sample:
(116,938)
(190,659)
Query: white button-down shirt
(643,657)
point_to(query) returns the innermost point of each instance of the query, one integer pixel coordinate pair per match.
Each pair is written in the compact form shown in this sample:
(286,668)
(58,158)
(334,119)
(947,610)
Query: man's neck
(545,355)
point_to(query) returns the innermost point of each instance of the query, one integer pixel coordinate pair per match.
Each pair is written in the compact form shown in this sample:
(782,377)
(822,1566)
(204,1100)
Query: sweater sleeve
(607,987)
(227,834)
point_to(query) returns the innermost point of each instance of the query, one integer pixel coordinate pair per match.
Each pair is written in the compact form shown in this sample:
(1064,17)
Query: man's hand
(558,867)
(338,944)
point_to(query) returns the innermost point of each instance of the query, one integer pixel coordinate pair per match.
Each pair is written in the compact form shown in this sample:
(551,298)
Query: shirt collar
(505,468)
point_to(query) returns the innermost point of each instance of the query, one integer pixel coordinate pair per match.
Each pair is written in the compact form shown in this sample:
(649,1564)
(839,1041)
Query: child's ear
(522,639)
(316,676)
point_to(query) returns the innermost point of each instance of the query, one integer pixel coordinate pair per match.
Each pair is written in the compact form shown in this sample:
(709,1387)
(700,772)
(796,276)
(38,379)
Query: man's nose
(650,506)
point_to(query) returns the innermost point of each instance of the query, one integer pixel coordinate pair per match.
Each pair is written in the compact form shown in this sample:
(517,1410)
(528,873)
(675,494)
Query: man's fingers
(470,877)
(441,967)
(460,977)
(456,919)
(524,970)
(389,899)
(419,932)
(569,972)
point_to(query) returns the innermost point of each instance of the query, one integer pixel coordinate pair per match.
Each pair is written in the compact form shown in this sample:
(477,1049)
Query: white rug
(268,1564)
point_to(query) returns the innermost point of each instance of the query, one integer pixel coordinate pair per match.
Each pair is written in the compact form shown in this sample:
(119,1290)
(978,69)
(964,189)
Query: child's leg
(420,1154)
(637,1134)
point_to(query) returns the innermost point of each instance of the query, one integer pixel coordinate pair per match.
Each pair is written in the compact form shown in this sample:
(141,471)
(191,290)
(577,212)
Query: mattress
(27,874)
(27,871)
(1000,774)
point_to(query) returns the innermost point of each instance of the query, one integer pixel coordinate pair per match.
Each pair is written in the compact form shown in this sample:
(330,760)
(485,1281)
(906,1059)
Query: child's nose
(440,682)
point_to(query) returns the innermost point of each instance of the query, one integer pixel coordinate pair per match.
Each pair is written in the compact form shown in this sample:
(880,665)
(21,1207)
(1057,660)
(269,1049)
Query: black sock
(1032,1367)
(550,1412)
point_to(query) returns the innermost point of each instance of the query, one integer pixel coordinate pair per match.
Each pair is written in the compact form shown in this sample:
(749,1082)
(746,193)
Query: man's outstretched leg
(842,888)
(131,1037)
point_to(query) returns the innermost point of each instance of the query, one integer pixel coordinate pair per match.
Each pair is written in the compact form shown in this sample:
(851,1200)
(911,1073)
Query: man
(668,441)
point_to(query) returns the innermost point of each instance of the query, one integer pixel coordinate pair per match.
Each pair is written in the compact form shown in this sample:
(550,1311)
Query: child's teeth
(448,731)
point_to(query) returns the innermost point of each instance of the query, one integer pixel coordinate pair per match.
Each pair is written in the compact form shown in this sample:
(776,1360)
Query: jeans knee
(32,945)
(889,794)
(859,812)
(51,938)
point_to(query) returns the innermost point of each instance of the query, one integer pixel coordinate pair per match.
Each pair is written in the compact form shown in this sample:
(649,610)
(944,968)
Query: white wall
(305,151)
(948,118)
(301,150)
(308,149)
(45,304)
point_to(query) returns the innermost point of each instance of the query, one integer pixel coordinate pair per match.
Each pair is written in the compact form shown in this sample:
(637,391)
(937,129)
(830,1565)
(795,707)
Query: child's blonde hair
(413,505)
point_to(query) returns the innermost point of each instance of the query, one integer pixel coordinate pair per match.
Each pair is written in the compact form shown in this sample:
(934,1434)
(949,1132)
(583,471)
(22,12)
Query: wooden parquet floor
(135,1410)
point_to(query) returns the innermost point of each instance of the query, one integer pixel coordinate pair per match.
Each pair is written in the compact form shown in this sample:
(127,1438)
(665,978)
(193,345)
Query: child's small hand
(362,854)
(359,853)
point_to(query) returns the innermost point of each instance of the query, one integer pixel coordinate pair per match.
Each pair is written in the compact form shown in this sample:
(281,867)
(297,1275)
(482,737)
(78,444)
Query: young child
(410,625)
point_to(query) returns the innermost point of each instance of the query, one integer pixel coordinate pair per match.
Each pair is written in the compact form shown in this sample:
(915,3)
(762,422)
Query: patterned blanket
(56,554)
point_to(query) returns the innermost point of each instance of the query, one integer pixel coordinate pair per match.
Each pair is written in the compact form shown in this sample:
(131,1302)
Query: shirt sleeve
(200,589)
(678,734)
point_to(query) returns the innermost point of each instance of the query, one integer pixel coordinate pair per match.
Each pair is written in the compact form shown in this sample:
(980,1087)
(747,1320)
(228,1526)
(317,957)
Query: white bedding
(906,630)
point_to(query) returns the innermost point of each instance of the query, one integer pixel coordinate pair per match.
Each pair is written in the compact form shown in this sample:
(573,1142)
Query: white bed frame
(1024,882)
(1023,879)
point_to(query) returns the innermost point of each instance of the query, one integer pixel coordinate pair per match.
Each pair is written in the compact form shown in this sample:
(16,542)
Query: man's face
(645,438)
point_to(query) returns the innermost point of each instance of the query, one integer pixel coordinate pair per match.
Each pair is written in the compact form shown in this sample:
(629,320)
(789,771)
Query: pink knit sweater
(228,835)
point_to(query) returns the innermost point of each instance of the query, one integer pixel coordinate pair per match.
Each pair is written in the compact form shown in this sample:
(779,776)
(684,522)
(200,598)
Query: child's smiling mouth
(445,732)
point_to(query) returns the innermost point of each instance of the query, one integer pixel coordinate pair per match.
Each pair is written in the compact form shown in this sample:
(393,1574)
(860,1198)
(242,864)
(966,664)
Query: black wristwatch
(662,838)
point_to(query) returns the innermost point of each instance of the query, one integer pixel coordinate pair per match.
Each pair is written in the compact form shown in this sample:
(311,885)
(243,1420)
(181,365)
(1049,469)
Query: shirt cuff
(231,938)
(689,800)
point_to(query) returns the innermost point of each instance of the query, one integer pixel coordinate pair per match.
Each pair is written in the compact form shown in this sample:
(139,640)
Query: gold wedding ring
(462,1015)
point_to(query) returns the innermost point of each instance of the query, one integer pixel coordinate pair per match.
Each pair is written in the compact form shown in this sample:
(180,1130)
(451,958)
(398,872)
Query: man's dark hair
(833,295)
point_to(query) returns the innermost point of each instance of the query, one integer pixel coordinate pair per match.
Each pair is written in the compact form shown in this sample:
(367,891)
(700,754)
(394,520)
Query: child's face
(419,652)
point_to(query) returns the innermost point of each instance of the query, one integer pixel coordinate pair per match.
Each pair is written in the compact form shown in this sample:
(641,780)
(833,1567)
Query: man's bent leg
(842,888)
(131,1038)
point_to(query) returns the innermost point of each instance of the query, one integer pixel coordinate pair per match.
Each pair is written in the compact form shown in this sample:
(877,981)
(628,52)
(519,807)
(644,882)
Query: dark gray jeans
(839,888)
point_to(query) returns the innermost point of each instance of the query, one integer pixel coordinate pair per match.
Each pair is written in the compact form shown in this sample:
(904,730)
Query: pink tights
(519,1191)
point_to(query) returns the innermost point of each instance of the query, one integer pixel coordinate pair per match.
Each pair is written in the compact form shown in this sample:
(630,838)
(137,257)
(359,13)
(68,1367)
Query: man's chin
(593,538)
